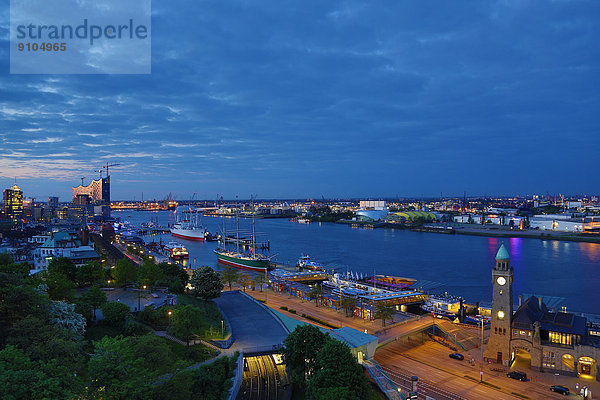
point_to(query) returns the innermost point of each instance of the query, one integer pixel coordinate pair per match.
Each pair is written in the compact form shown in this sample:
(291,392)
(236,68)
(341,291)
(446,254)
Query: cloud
(337,95)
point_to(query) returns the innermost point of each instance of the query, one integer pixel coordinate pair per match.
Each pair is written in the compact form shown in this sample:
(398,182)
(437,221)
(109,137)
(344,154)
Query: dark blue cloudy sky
(334,98)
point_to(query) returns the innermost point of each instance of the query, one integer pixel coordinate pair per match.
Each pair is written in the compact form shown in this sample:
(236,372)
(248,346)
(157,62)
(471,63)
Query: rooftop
(502,253)
(352,337)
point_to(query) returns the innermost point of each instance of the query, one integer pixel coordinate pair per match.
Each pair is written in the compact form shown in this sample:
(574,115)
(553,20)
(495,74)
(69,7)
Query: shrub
(283,308)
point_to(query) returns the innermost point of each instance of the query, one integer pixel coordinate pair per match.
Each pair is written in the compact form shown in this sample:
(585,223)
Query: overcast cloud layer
(333,98)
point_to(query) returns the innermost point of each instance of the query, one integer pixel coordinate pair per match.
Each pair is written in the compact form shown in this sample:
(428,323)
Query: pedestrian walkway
(252,325)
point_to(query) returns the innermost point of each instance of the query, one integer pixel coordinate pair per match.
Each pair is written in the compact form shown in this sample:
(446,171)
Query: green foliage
(348,303)
(301,348)
(259,280)
(127,367)
(316,293)
(149,273)
(115,313)
(320,321)
(209,382)
(174,277)
(63,315)
(133,328)
(124,272)
(89,273)
(185,322)
(22,378)
(63,266)
(229,276)
(6,259)
(60,287)
(94,297)
(337,374)
(8,267)
(384,311)
(244,280)
(206,283)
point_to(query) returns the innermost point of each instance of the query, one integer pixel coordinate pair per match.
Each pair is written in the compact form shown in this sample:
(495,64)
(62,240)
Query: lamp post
(222,330)
(139,296)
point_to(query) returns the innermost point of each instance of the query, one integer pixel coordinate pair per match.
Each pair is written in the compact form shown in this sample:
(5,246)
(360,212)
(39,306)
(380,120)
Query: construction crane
(99,170)
(82,178)
(109,165)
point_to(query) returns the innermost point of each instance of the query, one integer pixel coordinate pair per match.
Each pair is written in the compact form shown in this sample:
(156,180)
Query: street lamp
(222,329)
(139,296)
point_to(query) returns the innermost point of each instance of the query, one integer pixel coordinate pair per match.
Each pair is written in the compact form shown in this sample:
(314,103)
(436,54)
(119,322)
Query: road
(264,379)
(457,379)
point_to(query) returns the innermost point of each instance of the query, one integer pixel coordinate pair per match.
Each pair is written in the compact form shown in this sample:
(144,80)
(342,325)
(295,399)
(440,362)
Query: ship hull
(252,265)
(195,235)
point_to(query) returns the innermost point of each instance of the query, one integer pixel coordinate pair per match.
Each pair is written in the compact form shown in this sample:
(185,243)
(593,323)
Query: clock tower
(498,347)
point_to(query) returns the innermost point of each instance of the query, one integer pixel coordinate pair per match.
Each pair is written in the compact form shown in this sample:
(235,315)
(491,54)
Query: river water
(461,263)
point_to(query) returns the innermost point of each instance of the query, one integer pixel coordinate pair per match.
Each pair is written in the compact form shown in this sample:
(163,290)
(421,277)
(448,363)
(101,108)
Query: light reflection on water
(462,263)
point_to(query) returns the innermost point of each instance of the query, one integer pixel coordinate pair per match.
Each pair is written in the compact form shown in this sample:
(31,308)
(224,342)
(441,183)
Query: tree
(89,273)
(115,313)
(174,277)
(229,276)
(301,348)
(384,311)
(59,286)
(259,280)
(126,368)
(348,303)
(316,293)
(94,297)
(206,283)
(124,272)
(185,322)
(245,281)
(337,372)
(63,315)
(22,378)
(64,266)
(149,273)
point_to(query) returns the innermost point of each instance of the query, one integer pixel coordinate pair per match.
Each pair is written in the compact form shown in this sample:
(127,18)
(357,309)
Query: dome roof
(502,253)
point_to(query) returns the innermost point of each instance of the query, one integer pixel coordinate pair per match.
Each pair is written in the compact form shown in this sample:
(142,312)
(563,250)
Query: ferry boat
(442,306)
(176,251)
(253,262)
(189,228)
(304,262)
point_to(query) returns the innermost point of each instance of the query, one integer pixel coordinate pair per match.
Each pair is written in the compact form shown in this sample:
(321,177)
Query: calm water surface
(461,263)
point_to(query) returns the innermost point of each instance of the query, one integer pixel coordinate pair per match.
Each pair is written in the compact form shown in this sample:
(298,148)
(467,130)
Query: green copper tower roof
(502,253)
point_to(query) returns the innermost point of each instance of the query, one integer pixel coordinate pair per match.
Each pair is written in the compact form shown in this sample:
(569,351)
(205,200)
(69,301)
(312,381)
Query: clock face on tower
(501,280)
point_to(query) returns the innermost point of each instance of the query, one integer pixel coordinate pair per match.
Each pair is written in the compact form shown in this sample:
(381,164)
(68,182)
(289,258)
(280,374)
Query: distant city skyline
(323,99)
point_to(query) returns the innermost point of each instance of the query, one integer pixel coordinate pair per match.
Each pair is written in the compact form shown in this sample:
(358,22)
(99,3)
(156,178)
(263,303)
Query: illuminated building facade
(546,340)
(98,191)
(13,203)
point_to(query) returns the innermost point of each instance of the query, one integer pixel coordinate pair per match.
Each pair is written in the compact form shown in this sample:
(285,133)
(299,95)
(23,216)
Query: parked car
(560,389)
(457,356)
(520,376)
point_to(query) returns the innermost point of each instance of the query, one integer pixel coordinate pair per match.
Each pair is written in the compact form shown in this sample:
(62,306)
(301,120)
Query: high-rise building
(98,191)
(13,203)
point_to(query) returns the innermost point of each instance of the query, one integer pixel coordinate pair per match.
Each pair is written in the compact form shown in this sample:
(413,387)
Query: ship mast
(253,230)
(237,224)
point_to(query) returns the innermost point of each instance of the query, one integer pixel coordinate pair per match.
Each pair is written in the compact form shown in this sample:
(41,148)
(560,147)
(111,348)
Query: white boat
(176,251)
(189,227)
